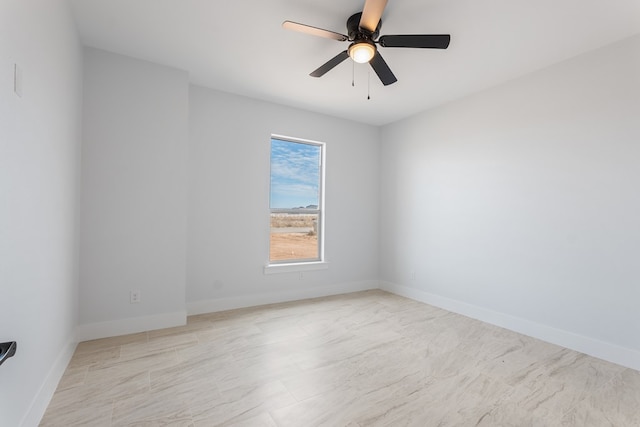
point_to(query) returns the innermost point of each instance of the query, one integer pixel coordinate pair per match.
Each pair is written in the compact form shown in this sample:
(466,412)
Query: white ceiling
(239,46)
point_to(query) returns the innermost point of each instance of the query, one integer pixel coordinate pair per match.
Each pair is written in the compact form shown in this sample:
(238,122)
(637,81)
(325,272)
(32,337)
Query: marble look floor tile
(207,352)
(101,393)
(187,372)
(445,333)
(190,327)
(131,365)
(162,422)
(255,372)
(615,403)
(95,358)
(459,400)
(158,345)
(276,335)
(197,393)
(320,338)
(512,416)
(372,371)
(73,377)
(349,406)
(496,348)
(395,303)
(584,415)
(318,411)
(406,321)
(344,348)
(551,400)
(359,360)
(78,415)
(242,403)
(446,365)
(576,376)
(287,320)
(228,333)
(580,370)
(150,409)
(107,343)
(522,363)
(262,420)
(288,350)
(347,316)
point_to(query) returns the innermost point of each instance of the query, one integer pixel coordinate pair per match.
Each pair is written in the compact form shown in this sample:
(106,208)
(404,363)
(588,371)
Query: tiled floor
(363,359)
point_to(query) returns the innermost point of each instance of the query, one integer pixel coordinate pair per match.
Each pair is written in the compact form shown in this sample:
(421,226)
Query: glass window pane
(293,237)
(295,175)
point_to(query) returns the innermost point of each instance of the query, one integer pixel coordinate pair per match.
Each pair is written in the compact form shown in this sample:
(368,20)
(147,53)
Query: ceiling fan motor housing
(356,33)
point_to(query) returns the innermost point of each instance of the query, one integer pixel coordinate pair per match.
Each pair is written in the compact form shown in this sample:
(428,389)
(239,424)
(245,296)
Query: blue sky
(295,174)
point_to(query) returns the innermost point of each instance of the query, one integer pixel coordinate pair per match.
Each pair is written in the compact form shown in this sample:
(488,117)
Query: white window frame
(302,264)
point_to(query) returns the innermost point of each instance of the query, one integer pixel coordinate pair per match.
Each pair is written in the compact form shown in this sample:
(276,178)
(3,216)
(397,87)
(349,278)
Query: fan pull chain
(353,73)
(369,86)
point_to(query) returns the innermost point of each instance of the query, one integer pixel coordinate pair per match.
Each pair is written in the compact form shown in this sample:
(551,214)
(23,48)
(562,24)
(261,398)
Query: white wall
(134,199)
(229,202)
(520,205)
(39,152)
(133,196)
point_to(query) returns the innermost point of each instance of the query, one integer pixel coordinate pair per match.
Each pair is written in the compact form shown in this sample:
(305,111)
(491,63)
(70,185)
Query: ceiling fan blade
(428,41)
(382,70)
(314,31)
(327,66)
(371,14)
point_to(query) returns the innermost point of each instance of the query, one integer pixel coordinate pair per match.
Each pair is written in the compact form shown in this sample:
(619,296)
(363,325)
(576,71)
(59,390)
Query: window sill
(295,267)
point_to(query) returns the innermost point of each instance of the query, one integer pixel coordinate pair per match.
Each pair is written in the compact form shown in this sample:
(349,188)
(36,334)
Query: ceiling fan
(363,29)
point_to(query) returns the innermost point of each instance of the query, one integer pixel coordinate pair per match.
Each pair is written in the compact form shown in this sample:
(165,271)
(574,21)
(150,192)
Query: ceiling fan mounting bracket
(356,33)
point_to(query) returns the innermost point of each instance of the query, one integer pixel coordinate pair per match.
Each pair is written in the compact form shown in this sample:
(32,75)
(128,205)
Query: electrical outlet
(134,297)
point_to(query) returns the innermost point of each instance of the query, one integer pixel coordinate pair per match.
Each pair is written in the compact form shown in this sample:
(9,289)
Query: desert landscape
(293,237)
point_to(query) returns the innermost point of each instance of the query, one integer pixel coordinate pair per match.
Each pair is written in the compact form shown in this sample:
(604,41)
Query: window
(296,201)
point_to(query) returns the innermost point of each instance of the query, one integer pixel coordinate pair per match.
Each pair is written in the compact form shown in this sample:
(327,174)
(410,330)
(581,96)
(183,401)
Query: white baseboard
(45,393)
(131,325)
(606,351)
(230,303)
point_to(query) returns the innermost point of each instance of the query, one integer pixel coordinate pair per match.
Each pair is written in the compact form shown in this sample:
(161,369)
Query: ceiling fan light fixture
(362,51)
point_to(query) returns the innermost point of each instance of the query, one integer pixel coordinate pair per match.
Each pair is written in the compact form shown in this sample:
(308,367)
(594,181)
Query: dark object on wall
(7,350)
